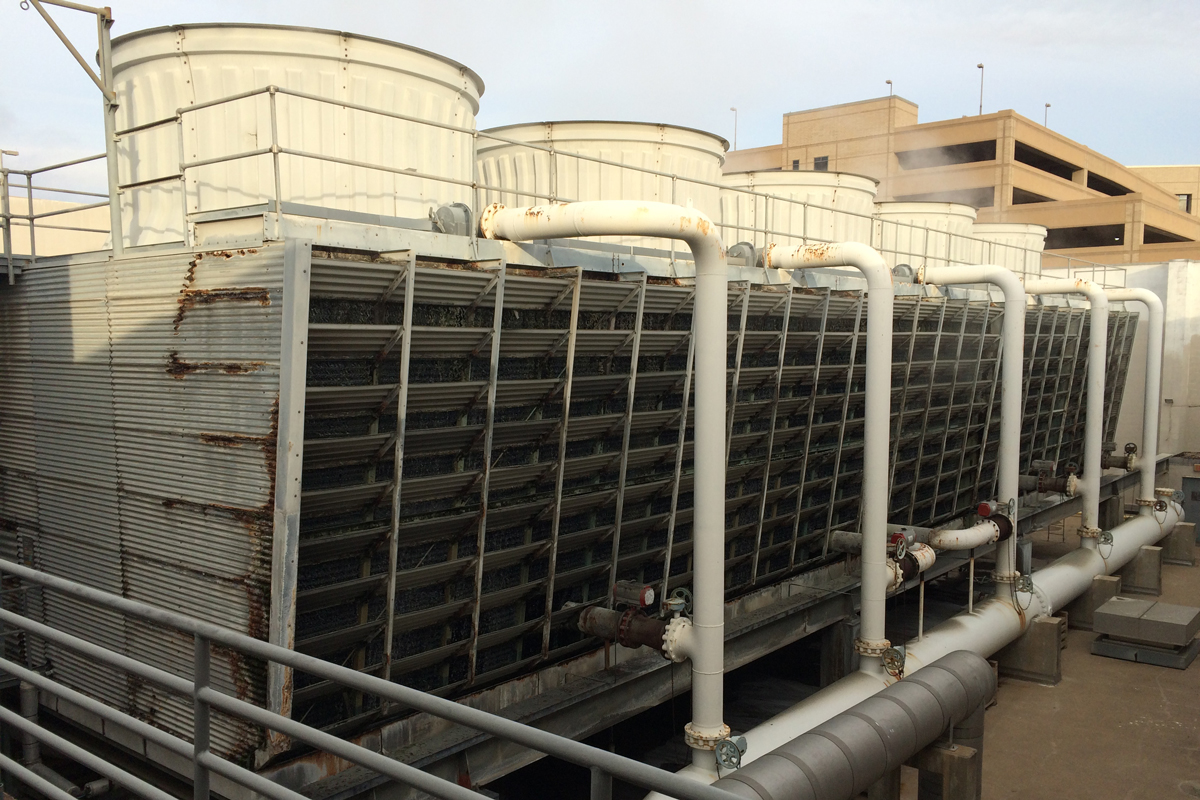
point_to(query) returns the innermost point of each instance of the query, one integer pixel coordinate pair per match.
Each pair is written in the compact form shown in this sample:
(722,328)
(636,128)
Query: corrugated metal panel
(1015,245)
(744,216)
(155,383)
(159,71)
(925,234)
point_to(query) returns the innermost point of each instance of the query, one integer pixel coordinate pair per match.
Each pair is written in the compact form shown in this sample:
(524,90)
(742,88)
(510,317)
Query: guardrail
(603,764)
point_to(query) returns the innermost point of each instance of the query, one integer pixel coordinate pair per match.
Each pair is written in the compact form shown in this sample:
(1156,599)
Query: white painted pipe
(1093,431)
(636,218)
(1012,366)
(991,626)
(877,423)
(1154,354)
(969,538)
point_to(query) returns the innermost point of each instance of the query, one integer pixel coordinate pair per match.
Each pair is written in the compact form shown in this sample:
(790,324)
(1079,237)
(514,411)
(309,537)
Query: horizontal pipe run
(845,755)
(969,538)
(993,624)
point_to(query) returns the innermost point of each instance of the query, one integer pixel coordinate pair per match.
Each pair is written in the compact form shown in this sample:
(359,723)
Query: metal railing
(603,764)
(935,246)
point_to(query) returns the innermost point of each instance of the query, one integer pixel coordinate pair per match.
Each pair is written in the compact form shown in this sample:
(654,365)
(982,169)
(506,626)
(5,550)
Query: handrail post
(601,784)
(275,149)
(29,211)
(202,717)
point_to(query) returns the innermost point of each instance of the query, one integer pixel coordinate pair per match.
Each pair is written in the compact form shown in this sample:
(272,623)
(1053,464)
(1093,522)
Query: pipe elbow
(864,258)
(609,218)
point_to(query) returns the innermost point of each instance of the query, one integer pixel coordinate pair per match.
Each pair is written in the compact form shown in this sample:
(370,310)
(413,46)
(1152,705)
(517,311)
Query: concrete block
(1037,655)
(1143,575)
(1112,513)
(1170,625)
(80,716)
(1180,546)
(957,767)
(1081,611)
(1120,617)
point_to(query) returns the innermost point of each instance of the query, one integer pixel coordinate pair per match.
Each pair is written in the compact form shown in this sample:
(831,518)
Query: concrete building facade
(1007,166)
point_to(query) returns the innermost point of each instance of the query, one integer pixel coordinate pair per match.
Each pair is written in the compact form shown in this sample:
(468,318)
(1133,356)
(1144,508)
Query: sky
(1121,77)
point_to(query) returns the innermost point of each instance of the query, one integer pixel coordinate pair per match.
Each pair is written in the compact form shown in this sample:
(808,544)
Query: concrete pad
(1170,625)
(1120,617)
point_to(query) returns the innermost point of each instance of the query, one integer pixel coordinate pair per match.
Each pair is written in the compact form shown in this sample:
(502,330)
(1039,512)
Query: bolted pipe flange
(871,649)
(1005,577)
(1144,501)
(704,741)
(1164,491)
(1089,533)
(678,631)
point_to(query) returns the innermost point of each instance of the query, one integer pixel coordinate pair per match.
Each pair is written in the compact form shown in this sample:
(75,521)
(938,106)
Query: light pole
(890,87)
(980,89)
(1046,117)
(734,110)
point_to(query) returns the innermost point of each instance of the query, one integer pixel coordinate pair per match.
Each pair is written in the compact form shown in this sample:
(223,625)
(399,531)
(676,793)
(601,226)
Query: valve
(1024,583)
(730,751)
(680,601)
(899,543)
(1131,448)
(1105,538)
(893,661)
(632,593)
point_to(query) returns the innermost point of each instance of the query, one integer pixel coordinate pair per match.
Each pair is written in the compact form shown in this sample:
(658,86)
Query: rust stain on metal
(817,252)
(179,369)
(232,439)
(190,298)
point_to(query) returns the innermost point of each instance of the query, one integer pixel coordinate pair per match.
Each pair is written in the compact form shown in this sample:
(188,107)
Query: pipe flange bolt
(676,633)
(871,649)
(1089,533)
(704,741)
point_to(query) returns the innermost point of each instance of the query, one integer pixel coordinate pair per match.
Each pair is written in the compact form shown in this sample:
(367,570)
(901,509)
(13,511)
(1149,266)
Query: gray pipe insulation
(843,756)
